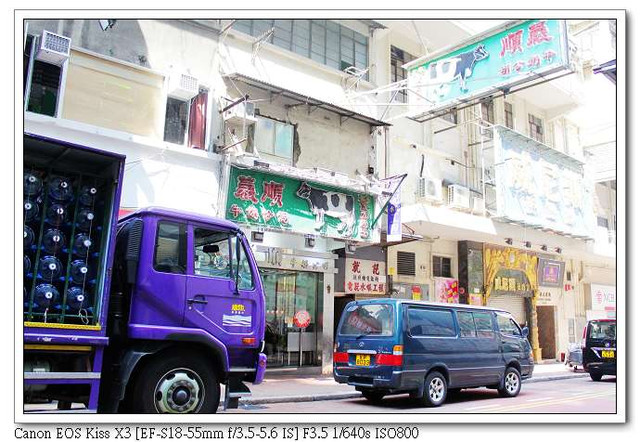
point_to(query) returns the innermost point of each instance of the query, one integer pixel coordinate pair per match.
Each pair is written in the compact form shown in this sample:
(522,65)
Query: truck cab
(189,312)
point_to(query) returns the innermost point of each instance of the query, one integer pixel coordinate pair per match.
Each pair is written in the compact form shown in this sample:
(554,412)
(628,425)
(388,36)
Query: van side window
(508,326)
(484,325)
(467,326)
(171,248)
(431,322)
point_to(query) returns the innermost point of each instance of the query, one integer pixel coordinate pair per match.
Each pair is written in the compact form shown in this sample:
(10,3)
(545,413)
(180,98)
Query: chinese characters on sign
(286,203)
(364,276)
(537,33)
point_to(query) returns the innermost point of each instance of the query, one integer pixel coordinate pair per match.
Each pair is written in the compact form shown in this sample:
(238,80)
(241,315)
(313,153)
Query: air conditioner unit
(183,86)
(459,197)
(478,205)
(430,189)
(240,112)
(53,48)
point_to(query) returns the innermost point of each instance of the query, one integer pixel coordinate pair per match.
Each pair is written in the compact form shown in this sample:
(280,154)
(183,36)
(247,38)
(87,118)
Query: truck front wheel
(176,384)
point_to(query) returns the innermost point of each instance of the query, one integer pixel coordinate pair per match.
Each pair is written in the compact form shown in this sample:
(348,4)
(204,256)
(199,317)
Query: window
(324,41)
(431,322)
(406,263)
(536,130)
(41,81)
(245,280)
(442,266)
(170,253)
(467,326)
(602,330)
(368,319)
(487,110)
(507,325)
(484,325)
(508,115)
(185,121)
(603,222)
(274,138)
(399,58)
(211,253)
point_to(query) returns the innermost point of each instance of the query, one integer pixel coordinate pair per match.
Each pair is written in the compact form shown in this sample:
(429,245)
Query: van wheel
(176,384)
(374,396)
(595,376)
(511,385)
(435,390)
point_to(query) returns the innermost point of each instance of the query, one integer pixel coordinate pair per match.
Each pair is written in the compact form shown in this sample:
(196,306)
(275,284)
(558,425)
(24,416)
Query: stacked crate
(64,227)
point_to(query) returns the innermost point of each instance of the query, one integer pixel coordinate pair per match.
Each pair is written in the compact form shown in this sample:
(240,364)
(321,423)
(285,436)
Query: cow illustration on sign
(459,67)
(332,204)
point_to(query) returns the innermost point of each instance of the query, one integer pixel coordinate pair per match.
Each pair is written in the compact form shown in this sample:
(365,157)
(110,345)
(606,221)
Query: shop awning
(301,99)
(608,69)
(406,237)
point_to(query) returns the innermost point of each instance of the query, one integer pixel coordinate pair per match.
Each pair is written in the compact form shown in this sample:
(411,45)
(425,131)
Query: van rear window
(368,319)
(603,330)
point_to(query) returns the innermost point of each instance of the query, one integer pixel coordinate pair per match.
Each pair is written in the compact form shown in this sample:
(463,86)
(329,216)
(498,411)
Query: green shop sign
(523,53)
(284,203)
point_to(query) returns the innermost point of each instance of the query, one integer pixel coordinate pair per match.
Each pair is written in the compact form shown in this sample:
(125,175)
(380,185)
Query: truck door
(212,301)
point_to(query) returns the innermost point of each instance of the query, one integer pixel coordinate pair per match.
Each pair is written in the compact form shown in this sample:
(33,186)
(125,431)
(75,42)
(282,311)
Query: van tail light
(340,357)
(584,337)
(394,359)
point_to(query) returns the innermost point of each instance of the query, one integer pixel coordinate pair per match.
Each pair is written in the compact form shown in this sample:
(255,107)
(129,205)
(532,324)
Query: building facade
(289,128)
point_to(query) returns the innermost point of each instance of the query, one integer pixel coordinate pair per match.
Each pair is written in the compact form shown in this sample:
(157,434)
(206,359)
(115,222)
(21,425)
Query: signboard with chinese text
(548,296)
(522,53)
(540,187)
(283,203)
(364,276)
(275,257)
(509,271)
(447,290)
(603,297)
(550,272)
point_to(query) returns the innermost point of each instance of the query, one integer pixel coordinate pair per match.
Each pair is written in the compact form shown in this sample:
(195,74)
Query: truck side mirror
(525,332)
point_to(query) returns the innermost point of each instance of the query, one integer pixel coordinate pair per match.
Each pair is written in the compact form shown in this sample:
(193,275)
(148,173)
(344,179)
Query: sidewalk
(279,387)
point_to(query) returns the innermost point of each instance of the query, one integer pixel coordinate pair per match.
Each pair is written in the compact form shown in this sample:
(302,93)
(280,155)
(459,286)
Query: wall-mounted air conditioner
(240,112)
(183,86)
(53,48)
(430,189)
(477,206)
(459,197)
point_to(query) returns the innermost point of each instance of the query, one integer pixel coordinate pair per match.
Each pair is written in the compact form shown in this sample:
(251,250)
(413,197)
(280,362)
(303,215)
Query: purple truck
(151,313)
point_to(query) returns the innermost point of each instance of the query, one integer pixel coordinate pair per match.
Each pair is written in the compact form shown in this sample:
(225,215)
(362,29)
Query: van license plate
(363,360)
(608,354)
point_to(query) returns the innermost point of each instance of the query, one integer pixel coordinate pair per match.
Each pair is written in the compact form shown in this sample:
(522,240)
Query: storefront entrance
(289,292)
(547,331)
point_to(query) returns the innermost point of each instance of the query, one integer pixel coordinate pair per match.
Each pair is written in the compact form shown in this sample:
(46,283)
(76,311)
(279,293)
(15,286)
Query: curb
(357,394)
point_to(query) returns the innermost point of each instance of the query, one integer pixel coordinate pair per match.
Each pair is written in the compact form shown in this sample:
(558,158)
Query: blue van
(390,346)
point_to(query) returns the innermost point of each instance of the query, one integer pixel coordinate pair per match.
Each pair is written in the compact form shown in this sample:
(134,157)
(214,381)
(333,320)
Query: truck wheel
(435,390)
(511,384)
(176,384)
(595,376)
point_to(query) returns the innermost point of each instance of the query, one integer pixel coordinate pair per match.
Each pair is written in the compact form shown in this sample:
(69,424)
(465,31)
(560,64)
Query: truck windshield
(368,319)
(603,330)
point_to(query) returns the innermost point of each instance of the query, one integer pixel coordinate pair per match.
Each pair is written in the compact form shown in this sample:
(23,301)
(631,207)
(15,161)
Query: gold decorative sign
(509,270)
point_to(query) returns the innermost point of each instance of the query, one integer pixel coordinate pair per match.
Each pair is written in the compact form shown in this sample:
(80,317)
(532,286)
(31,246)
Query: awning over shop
(608,69)
(301,99)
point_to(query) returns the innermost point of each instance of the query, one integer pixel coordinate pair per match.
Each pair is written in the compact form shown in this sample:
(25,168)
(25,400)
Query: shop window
(398,73)
(484,325)
(508,115)
(170,249)
(211,253)
(431,322)
(536,129)
(406,263)
(442,266)
(324,41)
(274,139)
(41,81)
(186,121)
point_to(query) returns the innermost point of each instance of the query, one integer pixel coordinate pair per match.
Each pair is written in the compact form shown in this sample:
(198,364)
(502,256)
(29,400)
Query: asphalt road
(581,395)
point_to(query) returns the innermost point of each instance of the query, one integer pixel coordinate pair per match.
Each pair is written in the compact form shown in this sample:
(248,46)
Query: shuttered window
(406,263)
(442,266)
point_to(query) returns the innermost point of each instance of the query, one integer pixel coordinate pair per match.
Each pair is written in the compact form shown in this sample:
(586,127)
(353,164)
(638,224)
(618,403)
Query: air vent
(183,86)
(407,263)
(430,189)
(53,48)
(241,112)
(459,197)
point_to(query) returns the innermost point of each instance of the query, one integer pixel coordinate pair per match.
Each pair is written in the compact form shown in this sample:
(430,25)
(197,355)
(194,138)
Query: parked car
(390,346)
(599,350)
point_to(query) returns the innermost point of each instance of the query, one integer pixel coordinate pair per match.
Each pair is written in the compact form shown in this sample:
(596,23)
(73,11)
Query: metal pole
(300,347)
